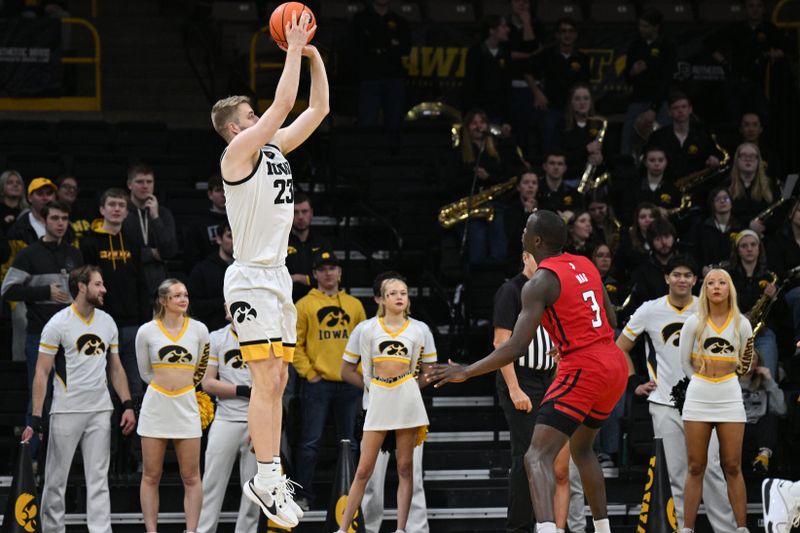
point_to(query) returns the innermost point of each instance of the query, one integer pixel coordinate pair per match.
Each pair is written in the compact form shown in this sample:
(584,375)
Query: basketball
(283,15)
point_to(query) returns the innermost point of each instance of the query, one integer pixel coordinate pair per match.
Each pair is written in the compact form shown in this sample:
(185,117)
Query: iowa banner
(658,507)
(341,488)
(22,510)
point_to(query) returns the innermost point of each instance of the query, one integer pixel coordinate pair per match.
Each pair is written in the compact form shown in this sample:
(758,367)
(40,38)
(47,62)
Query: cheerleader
(713,347)
(172,353)
(390,347)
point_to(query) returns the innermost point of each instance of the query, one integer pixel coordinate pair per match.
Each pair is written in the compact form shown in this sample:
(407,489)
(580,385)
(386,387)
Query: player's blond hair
(224,112)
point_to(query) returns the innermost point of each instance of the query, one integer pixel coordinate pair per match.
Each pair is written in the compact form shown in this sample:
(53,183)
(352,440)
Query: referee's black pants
(520,424)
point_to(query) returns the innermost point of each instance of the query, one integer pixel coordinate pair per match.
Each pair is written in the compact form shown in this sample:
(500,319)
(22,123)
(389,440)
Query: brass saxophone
(688,183)
(758,313)
(587,178)
(456,212)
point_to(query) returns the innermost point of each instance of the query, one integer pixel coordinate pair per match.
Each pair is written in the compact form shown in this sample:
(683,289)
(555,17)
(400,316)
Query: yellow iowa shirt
(324,324)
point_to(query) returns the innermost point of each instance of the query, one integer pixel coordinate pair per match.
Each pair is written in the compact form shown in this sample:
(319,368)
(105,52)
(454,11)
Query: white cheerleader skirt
(714,400)
(169,414)
(395,405)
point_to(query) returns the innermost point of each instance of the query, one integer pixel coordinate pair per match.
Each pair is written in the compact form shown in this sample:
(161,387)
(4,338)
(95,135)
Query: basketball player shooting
(567,296)
(258,289)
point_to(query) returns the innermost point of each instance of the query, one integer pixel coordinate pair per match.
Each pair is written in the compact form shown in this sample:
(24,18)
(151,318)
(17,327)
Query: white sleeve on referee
(637,322)
(352,352)
(50,340)
(429,349)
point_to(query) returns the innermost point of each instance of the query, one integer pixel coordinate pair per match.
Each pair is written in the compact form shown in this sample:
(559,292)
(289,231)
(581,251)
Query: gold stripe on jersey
(394,334)
(726,358)
(48,346)
(172,365)
(723,327)
(378,359)
(168,392)
(726,377)
(168,334)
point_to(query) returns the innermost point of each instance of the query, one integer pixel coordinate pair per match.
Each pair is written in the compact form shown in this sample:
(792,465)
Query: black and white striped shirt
(537,358)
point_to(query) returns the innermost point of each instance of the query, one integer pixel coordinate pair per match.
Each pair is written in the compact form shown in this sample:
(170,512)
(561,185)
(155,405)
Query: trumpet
(474,206)
(588,173)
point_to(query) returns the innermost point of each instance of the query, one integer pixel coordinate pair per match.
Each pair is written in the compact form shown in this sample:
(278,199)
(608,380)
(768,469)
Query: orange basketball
(283,16)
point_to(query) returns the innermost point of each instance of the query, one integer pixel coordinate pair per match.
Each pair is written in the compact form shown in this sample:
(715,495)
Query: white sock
(601,526)
(267,475)
(546,527)
(560,530)
(276,460)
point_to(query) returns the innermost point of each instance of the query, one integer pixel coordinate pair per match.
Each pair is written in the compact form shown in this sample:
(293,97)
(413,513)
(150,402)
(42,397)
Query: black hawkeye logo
(233,358)
(718,345)
(672,331)
(90,344)
(333,322)
(174,354)
(395,348)
(243,312)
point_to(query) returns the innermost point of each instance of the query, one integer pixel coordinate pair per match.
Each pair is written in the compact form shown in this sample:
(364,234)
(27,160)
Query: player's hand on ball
(449,373)
(310,50)
(298,31)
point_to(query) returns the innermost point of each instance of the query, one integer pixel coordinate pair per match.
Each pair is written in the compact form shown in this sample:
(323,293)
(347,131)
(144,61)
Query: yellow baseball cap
(38,183)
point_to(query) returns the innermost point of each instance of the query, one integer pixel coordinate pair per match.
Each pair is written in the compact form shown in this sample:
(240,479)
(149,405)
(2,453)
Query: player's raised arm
(297,132)
(541,291)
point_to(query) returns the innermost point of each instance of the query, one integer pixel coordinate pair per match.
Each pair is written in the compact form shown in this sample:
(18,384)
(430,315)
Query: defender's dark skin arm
(611,314)
(540,291)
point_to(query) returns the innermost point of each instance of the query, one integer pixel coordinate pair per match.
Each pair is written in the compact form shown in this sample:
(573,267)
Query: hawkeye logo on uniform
(90,344)
(243,312)
(330,317)
(115,255)
(396,348)
(174,354)
(26,512)
(233,358)
(718,345)
(672,331)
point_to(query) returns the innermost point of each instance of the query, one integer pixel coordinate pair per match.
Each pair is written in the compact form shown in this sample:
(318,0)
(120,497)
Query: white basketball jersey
(662,323)
(80,347)
(261,210)
(227,357)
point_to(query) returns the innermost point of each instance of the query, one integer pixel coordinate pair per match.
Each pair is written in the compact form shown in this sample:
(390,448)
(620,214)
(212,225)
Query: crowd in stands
(674,188)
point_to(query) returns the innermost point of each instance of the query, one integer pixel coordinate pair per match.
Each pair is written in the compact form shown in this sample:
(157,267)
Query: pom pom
(206,407)
(678,393)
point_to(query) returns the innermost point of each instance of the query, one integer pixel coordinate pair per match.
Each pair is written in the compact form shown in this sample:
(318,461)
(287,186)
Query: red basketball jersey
(577,319)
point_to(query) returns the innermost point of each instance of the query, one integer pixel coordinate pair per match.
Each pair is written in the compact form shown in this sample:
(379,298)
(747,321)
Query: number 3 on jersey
(285,192)
(594,306)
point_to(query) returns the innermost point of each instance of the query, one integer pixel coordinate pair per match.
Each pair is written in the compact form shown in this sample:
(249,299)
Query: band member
(227,378)
(258,288)
(567,297)
(172,351)
(658,322)
(81,342)
(389,349)
(713,343)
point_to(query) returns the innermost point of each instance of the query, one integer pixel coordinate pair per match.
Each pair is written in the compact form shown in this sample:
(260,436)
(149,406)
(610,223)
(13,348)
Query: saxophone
(456,212)
(758,313)
(591,170)
(688,183)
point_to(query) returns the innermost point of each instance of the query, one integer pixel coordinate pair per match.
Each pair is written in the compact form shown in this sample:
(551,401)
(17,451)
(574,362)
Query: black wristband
(37,424)
(634,380)
(127,404)
(243,391)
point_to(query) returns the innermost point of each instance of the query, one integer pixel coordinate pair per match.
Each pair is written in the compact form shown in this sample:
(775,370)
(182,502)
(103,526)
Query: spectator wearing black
(520,388)
(382,38)
(200,237)
(555,70)
(647,281)
(751,130)
(554,194)
(207,278)
(634,248)
(304,244)
(106,246)
(524,41)
(12,201)
(783,254)
(747,50)
(712,239)
(606,229)
(39,276)
(149,228)
(520,207)
(649,67)
(67,193)
(487,77)
(687,145)
(752,191)
(579,140)
(579,233)
(764,404)
(656,188)
(603,258)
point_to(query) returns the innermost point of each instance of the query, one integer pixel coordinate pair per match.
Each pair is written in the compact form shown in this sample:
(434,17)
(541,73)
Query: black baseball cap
(324,257)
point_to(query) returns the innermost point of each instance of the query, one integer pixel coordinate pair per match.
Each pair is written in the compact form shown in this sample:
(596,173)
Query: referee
(520,389)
